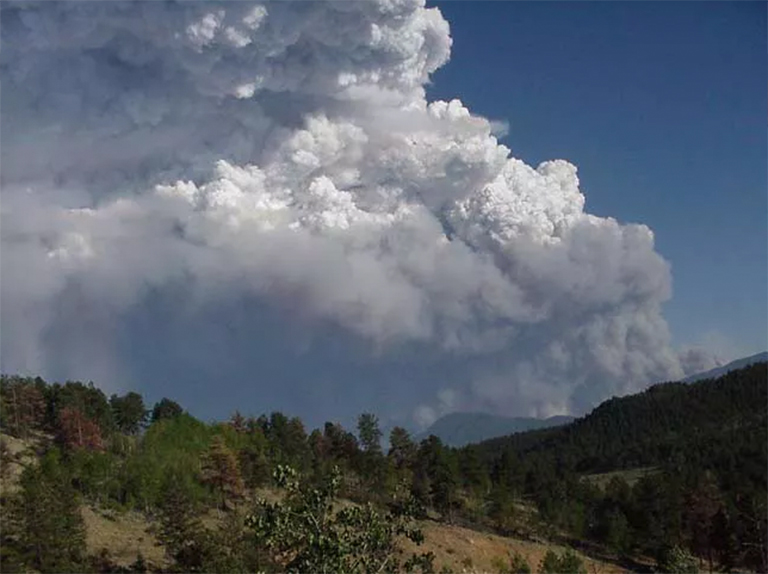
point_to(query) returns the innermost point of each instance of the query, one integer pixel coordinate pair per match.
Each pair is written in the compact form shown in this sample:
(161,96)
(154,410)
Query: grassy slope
(631,476)
(465,550)
(125,535)
(460,549)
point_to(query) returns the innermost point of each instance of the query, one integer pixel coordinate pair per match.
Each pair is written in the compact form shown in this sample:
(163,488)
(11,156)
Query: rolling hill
(459,429)
(666,422)
(732,366)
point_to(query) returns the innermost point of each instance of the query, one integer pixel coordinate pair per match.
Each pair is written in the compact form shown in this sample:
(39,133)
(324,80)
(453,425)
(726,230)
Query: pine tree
(75,430)
(52,530)
(402,449)
(129,412)
(252,456)
(181,531)
(438,465)
(22,406)
(221,471)
(372,462)
(237,422)
(501,509)
(166,409)
(6,458)
(369,433)
(87,399)
(702,505)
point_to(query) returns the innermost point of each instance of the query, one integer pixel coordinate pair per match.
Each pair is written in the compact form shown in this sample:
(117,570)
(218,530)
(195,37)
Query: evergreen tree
(22,406)
(88,400)
(181,531)
(372,462)
(402,450)
(501,509)
(129,412)
(294,444)
(6,459)
(702,505)
(723,540)
(221,471)
(369,433)
(238,422)
(254,463)
(52,530)
(341,446)
(75,430)
(474,475)
(166,409)
(618,536)
(442,472)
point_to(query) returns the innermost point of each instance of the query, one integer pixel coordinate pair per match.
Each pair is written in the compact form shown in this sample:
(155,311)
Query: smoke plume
(254,206)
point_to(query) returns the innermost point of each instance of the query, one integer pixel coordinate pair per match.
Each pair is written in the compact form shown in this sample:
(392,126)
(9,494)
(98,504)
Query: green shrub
(571,563)
(677,560)
(518,564)
(568,563)
(499,565)
(303,533)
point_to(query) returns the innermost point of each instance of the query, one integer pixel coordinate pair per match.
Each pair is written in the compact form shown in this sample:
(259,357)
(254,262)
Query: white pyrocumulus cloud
(261,194)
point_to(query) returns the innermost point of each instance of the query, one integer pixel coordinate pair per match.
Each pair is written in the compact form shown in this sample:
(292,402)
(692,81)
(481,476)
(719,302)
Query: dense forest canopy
(703,449)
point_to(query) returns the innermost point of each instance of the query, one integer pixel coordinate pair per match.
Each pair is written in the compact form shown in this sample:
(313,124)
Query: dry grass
(22,454)
(124,535)
(464,550)
(630,476)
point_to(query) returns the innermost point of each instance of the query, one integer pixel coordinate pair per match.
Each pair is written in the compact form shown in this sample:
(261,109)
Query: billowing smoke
(255,206)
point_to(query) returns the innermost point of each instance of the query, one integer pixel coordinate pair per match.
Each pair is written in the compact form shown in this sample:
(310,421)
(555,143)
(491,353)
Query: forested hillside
(335,500)
(460,429)
(667,422)
(707,444)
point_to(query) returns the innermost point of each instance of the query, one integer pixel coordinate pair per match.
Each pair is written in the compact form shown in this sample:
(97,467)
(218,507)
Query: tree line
(703,501)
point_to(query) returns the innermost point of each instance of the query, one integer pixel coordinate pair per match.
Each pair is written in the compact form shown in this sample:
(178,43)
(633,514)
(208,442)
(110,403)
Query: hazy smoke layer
(256,201)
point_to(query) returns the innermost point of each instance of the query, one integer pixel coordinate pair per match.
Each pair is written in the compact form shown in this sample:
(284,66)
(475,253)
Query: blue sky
(662,106)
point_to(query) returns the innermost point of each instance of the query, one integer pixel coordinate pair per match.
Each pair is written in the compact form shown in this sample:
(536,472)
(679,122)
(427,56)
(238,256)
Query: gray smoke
(256,203)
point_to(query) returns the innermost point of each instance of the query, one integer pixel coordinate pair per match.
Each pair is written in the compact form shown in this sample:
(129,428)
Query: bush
(568,563)
(518,564)
(550,564)
(303,533)
(677,560)
(499,565)
(571,563)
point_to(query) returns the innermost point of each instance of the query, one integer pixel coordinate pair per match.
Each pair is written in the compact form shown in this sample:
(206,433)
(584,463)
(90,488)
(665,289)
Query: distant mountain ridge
(732,366)
(459,429)
(462,428)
